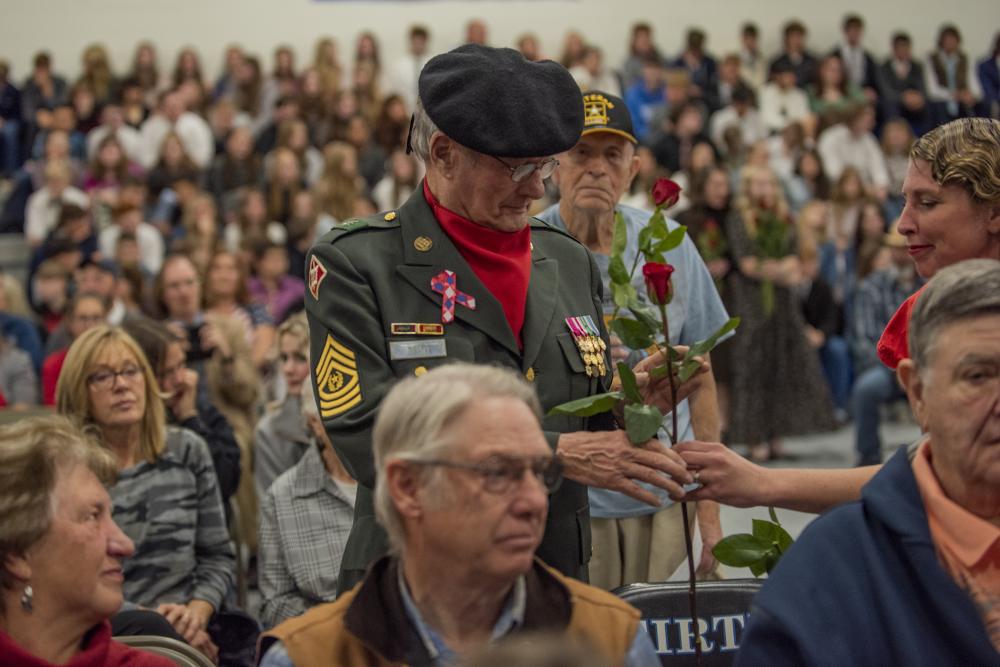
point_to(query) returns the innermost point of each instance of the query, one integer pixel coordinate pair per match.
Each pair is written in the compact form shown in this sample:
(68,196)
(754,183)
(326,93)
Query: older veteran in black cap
(633,541)
(461,272)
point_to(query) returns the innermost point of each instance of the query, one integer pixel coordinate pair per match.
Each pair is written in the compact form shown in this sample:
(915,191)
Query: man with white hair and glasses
(452,449)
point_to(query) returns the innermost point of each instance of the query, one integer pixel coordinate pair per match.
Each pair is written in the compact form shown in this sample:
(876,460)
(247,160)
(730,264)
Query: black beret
(496,102)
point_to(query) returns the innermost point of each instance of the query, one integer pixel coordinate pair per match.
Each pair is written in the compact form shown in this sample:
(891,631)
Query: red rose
(658,282)
(666,192)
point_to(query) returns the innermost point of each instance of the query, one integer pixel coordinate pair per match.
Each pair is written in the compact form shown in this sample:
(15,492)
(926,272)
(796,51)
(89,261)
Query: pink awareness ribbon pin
(444,284)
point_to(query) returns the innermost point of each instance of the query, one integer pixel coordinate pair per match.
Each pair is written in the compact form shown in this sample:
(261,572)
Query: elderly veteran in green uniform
(461,272)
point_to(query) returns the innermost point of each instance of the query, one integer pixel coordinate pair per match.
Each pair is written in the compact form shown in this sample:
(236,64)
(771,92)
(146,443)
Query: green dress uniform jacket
(369,274)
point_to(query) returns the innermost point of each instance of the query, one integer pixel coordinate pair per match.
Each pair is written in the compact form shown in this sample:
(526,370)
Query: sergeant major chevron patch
(337,383)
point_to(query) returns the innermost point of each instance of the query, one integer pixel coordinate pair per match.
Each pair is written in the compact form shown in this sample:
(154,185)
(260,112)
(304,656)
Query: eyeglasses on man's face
(105,378)
(501,473)
(522,172)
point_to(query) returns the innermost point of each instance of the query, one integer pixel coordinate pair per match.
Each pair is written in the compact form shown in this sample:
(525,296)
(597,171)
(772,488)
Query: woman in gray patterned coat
(166,498)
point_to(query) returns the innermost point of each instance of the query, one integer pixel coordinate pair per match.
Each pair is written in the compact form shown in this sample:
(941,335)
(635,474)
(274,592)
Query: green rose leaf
(645,313)
(707,345)
(671,240)
(772,533)
(629,386)
(619,237)
(645,240)
(658,225)
(642,422)
(634,334)
(741,550)
(617,271)
(623,294)
(687,369)
(589,406)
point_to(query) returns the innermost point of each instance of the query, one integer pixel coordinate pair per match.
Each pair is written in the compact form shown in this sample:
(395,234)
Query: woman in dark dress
(776,386)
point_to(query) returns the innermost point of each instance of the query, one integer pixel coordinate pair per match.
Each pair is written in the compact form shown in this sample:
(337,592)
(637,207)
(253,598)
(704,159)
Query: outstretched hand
(724,475)
(607,460)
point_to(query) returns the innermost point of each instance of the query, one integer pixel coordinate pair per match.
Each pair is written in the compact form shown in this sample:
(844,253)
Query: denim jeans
(10,147)
(875,387)
(835,357)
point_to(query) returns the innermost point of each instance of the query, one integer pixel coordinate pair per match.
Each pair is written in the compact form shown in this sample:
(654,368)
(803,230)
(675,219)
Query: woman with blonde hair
(166,498)
(61,553)
(200,220)
(294,135)
(341,183)
(777,388)
(284,180)
(97,73)
(327,64)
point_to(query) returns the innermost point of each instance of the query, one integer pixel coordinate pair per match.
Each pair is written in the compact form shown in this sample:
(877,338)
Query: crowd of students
(150,195)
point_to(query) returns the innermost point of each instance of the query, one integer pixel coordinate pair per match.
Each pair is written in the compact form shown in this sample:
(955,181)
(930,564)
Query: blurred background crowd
(149,190)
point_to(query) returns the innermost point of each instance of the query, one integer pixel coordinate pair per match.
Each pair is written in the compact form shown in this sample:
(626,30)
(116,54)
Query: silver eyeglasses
(500,473)
(521,172)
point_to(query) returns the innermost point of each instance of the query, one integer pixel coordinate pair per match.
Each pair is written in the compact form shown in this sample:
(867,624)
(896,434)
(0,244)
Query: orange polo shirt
(968,546)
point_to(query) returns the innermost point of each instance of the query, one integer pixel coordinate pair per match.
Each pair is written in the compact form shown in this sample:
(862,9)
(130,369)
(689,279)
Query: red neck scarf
(501,260)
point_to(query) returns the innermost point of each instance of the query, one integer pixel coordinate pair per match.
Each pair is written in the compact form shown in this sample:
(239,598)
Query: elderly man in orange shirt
(910,574)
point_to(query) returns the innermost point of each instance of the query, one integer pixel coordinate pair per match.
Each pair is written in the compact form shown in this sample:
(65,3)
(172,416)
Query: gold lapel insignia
(422,243)
(337,383)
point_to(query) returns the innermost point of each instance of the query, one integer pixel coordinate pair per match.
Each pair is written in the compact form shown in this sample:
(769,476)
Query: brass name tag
(417,349)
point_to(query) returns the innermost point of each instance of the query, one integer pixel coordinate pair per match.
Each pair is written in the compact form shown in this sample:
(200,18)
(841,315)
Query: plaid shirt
(875,302)
(305,519)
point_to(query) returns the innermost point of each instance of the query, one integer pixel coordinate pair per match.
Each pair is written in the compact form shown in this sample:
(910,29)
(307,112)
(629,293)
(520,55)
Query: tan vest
(318,637)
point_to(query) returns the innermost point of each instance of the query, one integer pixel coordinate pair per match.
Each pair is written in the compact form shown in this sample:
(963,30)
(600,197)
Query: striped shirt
(172,511)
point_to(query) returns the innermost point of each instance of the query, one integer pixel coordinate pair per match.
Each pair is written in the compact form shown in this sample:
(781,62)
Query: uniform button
(422,243)
(529,375)
(390,216)
(419,370)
